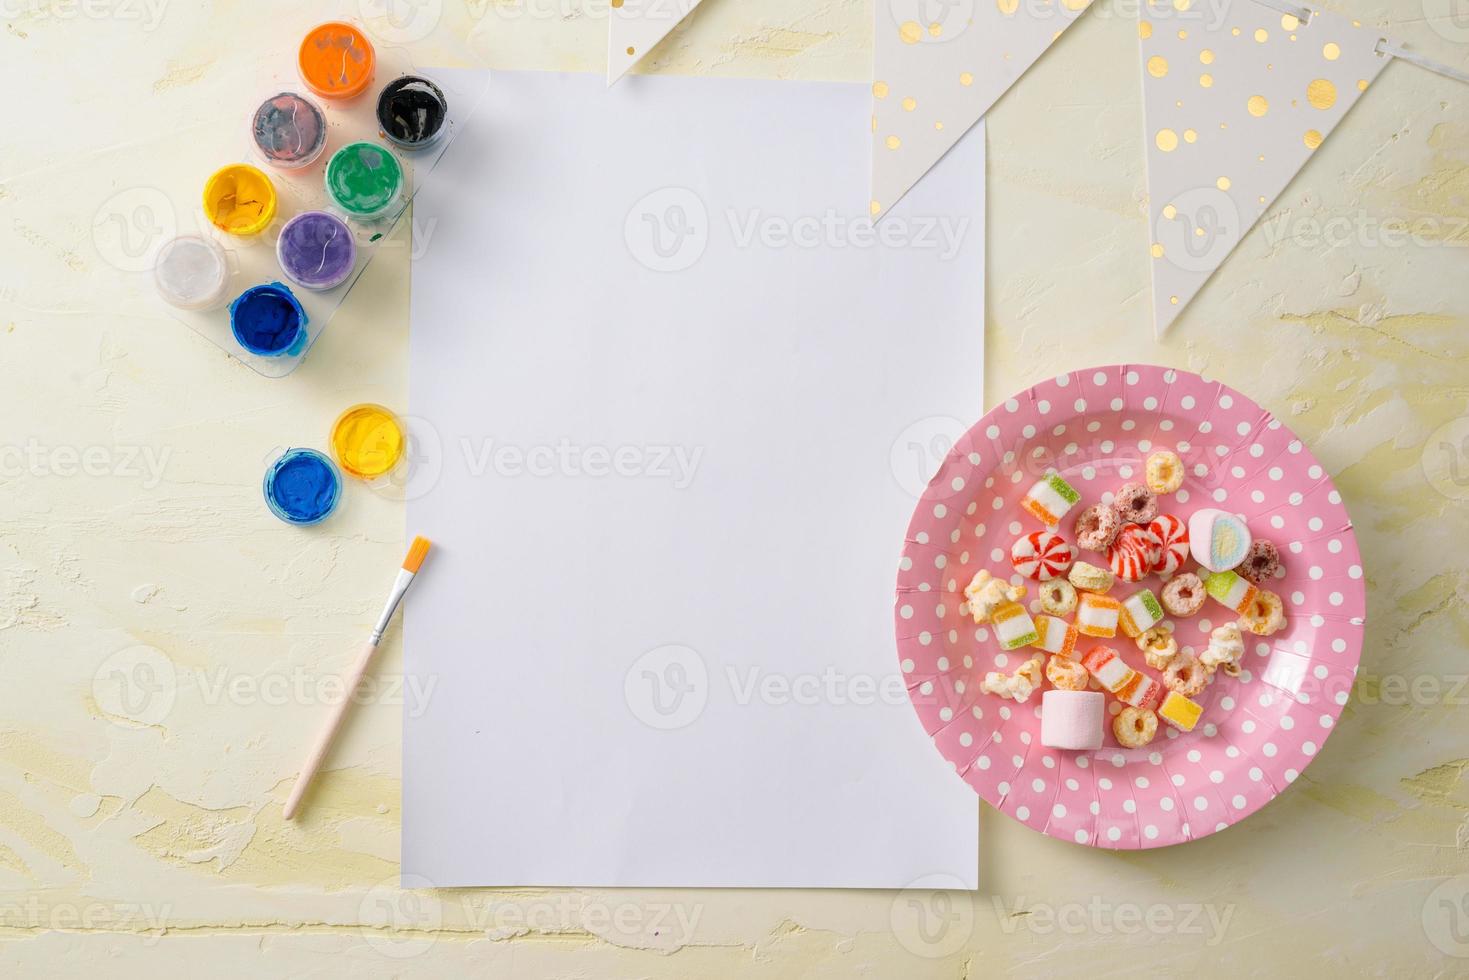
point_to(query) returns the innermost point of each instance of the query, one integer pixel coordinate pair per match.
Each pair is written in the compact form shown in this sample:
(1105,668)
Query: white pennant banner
(634,27)
(1235,103)
(938,66)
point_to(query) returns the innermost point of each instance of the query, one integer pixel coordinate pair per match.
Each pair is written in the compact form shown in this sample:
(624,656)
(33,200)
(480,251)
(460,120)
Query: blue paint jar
(302,487)
(269,321)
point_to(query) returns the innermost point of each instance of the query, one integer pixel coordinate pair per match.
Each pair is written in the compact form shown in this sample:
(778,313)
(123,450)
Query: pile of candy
(1136,541)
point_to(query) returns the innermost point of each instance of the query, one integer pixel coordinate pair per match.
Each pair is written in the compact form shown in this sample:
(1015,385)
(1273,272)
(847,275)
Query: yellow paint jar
(239,199)
(367,441)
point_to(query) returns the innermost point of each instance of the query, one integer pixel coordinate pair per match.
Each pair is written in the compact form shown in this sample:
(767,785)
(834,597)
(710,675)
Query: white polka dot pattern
(1258,731)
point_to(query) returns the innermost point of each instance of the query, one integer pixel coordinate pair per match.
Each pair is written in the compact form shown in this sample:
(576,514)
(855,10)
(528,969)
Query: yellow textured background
(127,848)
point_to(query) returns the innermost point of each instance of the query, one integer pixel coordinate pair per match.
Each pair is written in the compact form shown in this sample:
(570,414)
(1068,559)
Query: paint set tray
(252,261)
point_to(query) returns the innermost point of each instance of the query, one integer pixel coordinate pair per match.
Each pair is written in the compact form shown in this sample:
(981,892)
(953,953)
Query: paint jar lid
(191,273)
(268,320)
(336,60)
(239,199)
(316,250)
(412,112)
(302,487)
(364,180)
(367,441)
(288,130)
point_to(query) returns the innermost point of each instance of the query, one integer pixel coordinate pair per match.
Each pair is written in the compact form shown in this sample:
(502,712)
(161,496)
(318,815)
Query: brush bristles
(416,553)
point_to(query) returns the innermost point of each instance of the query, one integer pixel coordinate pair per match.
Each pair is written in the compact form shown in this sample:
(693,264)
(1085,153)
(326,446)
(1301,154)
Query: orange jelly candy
(337,60)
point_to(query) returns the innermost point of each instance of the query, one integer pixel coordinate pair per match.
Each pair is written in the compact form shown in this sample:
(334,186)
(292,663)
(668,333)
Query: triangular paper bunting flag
(1235,103)
(938,66)
(634,27)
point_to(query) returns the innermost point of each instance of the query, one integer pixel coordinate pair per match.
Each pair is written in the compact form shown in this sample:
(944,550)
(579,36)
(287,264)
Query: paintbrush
(416,552)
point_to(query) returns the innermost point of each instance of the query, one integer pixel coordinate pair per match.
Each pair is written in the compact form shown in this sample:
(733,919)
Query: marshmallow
(1218,539)
(1072,719)
(1049,500)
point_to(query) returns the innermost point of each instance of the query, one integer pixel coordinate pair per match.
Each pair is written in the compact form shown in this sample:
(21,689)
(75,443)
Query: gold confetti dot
(880,90)
(938,125)
(1321,94)
(910,103)
(1198,232)
(874,207)
(1262,35)
(910,32)
(966,79)
(1290,22)
(893,142)
(1075,4)
(1206,80)
(1157,250)
(1157,66)
(1008,7)
(1206,56)
(1235,32)
(1312,139)
(629,49)
(1183,35)
(1166,140)
(1170,212)
(616,4)
(1189,136)
(935,29)
(1182,5)
(1173,300)
(1144,29)
(1361,85)
(1222,183)
(1257,105)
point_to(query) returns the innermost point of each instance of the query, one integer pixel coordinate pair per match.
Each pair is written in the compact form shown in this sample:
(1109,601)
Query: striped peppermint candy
(1042,555)
(1172,535)
(1134,553)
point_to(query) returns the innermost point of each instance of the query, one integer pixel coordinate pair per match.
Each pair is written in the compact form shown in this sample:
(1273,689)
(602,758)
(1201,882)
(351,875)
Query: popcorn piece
(1134,553)
(1058,598)
(1097,615)
(1042,555)
(1090,578)
(1140,612)
(1135,504)
(985,594)
(1096,527)
(1172,535)
(1108,668)
(1066,674)
(1050,499)
(1265,614)
(1231,591)
(1134,727)
(1225,651)
(1141,692)
(1180,712)
(1054,636)
(1159,646)
(1184,595)
(1218,539)
(1017,686)
(1164,471)
(1185,675)
(1072,720)
(1261,562)
(1013,626)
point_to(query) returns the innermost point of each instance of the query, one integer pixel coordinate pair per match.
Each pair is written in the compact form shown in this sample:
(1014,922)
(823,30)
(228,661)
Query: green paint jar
(364,180)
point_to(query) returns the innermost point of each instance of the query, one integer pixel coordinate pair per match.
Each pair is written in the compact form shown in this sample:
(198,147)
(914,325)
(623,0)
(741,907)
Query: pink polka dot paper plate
(1258,730)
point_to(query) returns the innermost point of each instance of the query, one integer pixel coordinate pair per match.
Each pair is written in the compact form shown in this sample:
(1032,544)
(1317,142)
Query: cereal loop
(1261,563)
(1134,727)
(1164,471)
(1095,527)
(1185,675)
(1264,615)
(1058,598)
(1183,595)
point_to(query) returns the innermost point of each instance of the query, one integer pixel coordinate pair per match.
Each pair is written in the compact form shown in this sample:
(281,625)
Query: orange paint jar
(336,60)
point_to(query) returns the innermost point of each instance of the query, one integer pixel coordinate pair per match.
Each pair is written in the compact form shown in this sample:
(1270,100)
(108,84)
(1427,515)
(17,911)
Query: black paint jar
(412,112)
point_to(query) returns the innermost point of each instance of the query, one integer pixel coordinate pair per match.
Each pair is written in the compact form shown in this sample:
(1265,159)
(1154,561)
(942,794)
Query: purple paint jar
(316,250)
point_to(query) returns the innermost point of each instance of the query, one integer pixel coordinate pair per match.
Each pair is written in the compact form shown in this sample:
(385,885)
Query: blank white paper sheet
(668,388)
